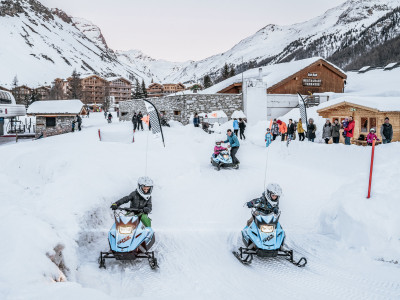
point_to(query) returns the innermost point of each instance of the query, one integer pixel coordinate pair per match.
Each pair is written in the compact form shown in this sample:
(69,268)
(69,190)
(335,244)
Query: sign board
(353,109)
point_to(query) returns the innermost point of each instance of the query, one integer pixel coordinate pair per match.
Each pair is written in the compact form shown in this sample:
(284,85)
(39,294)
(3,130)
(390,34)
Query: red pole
(370,171)
(99,135)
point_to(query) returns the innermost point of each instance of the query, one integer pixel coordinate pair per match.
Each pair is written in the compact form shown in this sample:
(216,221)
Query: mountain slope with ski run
(53,43)
(58,190)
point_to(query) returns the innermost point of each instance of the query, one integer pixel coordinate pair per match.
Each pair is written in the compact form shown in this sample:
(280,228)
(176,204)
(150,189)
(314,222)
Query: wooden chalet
(120,89)
(367,112)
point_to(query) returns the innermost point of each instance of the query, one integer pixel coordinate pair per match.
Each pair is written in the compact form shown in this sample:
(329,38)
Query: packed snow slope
(57,191)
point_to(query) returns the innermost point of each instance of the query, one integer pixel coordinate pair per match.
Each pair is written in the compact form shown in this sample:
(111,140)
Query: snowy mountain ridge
(53,43)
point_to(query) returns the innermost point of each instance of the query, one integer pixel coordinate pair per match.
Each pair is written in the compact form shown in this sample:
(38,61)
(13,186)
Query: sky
(180,30)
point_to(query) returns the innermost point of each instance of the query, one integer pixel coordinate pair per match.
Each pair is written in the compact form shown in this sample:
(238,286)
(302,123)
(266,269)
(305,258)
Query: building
(158,90)
(155,90)
(120,89)
(306,76)
(95,89)
(2,88)
(55,117)
(367,112)
(62,85)
(43,92)
(21,93)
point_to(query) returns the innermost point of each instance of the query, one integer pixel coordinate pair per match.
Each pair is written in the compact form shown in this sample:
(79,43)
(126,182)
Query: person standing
(235,126)
(327,131)
(105,114)
(300,130)
(79,120)
(349,131)
(135,121)
(88,112)
(234,145)
(290,130)
(386,131)
(196,120)
(282,129)
(274,130)
(140,121)
(242,127)
(268,137)
(336,131)
(311,129)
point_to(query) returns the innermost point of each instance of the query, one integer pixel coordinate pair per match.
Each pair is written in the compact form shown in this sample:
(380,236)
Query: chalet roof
(378,104)
(390,66)
(118,77)
(55,107)
(364,69)
(271,74)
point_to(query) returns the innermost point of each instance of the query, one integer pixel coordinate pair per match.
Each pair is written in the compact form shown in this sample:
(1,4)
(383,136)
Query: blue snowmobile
(129,239)
(265,238)
(222,160)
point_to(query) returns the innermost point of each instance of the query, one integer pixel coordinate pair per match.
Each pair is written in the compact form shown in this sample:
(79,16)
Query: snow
(271,74)
(378,103)
(59,190)
(238,114)
(363,69)
(56,107)
(391,65)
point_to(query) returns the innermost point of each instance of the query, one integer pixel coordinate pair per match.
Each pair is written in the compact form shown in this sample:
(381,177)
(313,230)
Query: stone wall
(63,125)
(181,107)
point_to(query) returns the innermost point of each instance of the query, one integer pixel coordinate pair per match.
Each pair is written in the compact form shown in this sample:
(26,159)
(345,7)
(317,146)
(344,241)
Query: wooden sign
(353,109)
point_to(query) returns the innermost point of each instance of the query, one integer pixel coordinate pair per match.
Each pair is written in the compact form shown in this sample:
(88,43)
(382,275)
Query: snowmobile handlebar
(129,209)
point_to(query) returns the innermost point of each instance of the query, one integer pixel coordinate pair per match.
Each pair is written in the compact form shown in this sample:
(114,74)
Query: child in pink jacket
(218,148)
(371,137)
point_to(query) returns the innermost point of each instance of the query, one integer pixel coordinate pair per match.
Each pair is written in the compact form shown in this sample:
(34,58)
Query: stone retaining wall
(181,107)
(63,125)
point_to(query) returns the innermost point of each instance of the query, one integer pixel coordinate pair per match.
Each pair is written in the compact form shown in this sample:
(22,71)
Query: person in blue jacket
(234,145)
(235,126)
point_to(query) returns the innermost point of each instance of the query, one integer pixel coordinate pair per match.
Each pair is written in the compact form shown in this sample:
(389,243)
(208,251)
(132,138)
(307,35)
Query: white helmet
(273,189)
(145,181)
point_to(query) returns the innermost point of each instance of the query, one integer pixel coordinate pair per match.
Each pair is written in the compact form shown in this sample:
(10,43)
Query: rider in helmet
(267,203)
(140,199)
(218,147)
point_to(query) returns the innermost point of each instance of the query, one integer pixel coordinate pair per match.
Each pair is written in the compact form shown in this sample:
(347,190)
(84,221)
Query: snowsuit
(386,133)
(335,133)
(344,125)
(242,126)
(283,130)
(300,130)
(261,204)
(73,126)
(274,130)
(327,132)
(139,120)
(109,117)
(370,137)
(349,132)
(79,120)
(196,121)
(217,150)
(268,138)
(138,202)
(311,129)
(105,115)
(234,142)
(135,121)
(235,127)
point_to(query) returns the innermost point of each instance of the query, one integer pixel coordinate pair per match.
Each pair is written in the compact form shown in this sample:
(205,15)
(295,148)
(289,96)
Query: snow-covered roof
(56,107)
(365,68)
(271,74)
(238,114)
(116,78)
(378,103)
(391,65)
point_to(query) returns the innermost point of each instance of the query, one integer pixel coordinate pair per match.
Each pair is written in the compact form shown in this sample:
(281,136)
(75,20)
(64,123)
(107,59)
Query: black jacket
(242,125)
(134,119)
(335,130)
(79,119)
(290,128)
(139,117)
(311,128)
(386,131)
(261,204)
(137,201)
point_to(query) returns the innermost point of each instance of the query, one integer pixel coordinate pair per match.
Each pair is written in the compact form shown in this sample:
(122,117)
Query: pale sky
(179,30)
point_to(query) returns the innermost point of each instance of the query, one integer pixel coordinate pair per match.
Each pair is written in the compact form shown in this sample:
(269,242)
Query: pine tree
(138,90)
(207,81)
(75,86)
(225,72)
(16,91)
(144,90)
(232,72)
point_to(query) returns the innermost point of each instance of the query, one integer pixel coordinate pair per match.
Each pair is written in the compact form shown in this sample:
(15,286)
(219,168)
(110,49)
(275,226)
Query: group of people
(239,126)
(233,145)
(77,121)
(137,121)
(329,131)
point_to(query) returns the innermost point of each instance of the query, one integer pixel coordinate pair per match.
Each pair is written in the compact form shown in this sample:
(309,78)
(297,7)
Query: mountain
(39,44)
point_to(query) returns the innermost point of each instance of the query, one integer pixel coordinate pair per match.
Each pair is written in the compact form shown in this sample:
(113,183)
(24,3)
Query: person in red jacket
(349,131)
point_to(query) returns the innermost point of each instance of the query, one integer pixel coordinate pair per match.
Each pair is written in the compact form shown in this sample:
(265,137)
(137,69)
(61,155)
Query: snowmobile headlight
(125,229)
(267,228)
(226,156)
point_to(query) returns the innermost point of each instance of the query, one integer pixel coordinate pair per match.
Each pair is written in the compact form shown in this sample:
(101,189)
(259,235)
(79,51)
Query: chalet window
(364,124)
(177,112)
(367,124)
(50,121)
(312,82)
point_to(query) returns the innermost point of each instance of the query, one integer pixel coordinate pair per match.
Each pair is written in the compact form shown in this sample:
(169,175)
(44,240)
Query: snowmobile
(164,122)
(223,160)
(129,239)
(265,238)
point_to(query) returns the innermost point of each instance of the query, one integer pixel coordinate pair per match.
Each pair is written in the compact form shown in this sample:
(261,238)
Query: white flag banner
(154,120)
